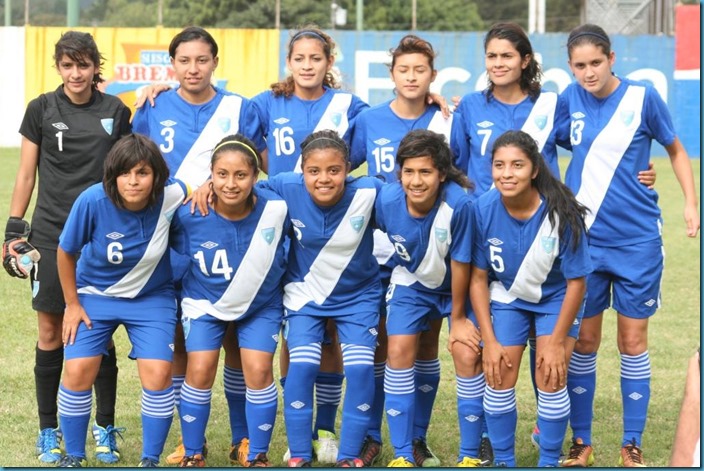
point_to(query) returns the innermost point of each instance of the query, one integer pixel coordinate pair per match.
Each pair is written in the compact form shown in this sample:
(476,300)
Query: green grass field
(674,336)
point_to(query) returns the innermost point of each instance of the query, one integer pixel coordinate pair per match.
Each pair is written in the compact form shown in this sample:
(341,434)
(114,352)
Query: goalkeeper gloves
(18,255)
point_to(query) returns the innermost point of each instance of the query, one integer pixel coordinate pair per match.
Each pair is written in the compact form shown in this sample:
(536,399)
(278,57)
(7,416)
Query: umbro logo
(373,331)
(168,123)
(60,126)
(485,124)
(114,235)
(426,388)
(265,427)
(635,396)
(471,418)
(297,404)
(209,245)
(297,223)
(188,418)
(650,302)
(398,238)
(495,241)
(281,120)
(393,412)
(578,115)
(364,407)
(579,390)
(382,141)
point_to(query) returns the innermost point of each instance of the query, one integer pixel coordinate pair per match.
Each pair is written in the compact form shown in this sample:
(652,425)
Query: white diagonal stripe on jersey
(251,273)
(441,125)
(195,167)
(534,269)
(327,268)
(132,283)
(606,152)
(544,105)
(431,270)
(340,103)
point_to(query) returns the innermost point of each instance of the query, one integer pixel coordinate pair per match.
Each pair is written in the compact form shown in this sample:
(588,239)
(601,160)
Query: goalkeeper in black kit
(66,135)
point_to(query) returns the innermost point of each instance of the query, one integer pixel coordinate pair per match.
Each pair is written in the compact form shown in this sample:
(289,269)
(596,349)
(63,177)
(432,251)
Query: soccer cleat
(260,461)
(371,449)
(350,463)
(535,436)
(468,462)
(298,463)
(179,452)
(106,443)
(69,461)
(631,456)
(148,463)
(486,451)
(325,447)
(400,462)
(49,445)
(423,456)
(195,461)
(239,452)
(580,455)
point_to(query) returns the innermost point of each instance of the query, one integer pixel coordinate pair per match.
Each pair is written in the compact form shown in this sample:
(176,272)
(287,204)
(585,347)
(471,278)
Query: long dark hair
(589,34)
(530,76)
(559,198)
(78,47)
(128,152)
(421,143)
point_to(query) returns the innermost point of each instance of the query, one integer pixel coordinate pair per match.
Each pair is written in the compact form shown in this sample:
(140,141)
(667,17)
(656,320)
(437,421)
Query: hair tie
(588,33)
(222,144)
(307,31)
(324,138)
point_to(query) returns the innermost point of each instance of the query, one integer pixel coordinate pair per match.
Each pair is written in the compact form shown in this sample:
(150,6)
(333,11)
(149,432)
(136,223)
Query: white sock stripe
(553,406)
(233,380)
(195,395)
(357,355)
(582,364)
(328,394)
(159,406)
(379,370)
(262,396)
(499,402)
(427,367)
(399,381)
(72,404)
(310,353)
(470,388)
(635,367)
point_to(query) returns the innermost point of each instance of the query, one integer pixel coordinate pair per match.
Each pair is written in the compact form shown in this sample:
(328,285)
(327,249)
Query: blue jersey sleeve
(356,107)
(576,263)
(79,225)
(479,251)
(358,147)
(140,121)
(252,127)
(562,122)
(458,142)
(461,246)
(657,117)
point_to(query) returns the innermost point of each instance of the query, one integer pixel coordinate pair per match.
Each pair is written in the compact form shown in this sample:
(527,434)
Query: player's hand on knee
(18,255)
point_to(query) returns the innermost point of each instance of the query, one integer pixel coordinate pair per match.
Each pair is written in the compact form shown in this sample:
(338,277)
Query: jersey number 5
(497,263)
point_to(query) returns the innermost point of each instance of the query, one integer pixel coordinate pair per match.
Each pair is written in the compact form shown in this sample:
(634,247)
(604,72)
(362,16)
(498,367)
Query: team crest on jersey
(186,323)
(627,116)
(60,126)
(440,234)
(336,118)
(540,121)
(485,124)
(107,124)
(268,234)
(224,124)
(548,243)
(357,222)
(382,141)
(495,241)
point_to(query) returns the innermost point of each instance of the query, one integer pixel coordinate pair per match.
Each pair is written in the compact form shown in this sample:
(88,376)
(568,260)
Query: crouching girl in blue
(331,273)
(235,274)
(121,230)
(529,265)
(427,216)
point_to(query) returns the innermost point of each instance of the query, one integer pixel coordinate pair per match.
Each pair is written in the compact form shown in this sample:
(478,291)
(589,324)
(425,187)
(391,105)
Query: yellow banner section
(134,57)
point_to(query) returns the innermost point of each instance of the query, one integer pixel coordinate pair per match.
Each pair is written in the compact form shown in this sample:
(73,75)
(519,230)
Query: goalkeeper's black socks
(106,390)
(47,376)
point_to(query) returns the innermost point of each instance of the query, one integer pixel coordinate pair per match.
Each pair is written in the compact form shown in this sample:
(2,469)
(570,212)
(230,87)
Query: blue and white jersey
(484,121)
(378,133)
(236,267)
(527,261)
(330,261)
(425,246)
(123,253)
(286,122)
(186,133)
(611,139)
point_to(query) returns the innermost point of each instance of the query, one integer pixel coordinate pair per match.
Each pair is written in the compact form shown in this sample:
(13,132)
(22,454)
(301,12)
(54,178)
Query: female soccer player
(332,274)
(120,228)
(66,135)
(237,264)
(610,122)
(529,266)
(187,123)
(427,217)
(378,132)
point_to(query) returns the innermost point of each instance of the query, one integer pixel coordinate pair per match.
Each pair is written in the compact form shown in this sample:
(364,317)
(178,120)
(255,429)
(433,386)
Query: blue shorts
(631,274)
(356,329)
(150,323)
(409,311)
(511,326)
(258,331)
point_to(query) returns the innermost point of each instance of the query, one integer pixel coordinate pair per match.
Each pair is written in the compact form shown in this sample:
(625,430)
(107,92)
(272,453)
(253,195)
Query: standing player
(237,265)
(529,266)
(610,123)
(427,217)
(378,132)
(332,274)
(66,135)
(187,123)
(120,228)
(306,101)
